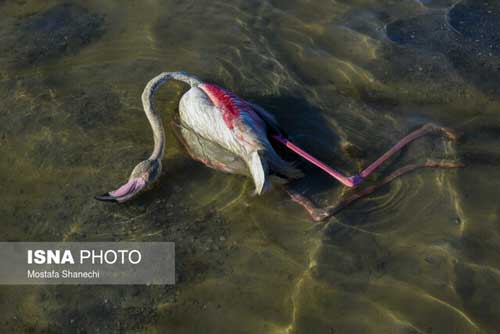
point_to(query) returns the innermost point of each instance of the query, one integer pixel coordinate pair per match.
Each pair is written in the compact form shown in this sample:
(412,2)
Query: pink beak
(125,192)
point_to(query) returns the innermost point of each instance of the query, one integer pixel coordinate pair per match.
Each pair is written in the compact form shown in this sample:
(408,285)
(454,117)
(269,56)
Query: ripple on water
(367,22)
(243,62)
(257,262)
(476,285)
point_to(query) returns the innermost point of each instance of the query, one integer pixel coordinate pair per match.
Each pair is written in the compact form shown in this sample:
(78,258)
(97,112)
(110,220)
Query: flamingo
(227,133)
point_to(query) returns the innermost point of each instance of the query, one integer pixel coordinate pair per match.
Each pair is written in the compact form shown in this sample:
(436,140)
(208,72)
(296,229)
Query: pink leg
(319,214)
(427,128)
(353,181)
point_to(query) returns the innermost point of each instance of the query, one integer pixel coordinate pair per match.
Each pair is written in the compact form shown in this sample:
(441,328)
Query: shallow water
(345,78)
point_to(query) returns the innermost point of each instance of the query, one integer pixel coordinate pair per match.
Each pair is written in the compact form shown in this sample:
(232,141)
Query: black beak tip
(106,198)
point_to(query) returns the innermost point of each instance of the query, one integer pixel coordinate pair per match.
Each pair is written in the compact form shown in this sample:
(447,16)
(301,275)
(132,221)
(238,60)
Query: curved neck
(149,109)
(154,119)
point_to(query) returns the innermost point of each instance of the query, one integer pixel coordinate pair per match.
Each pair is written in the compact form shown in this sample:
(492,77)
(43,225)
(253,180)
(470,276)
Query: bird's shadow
(302,122)
(306,126)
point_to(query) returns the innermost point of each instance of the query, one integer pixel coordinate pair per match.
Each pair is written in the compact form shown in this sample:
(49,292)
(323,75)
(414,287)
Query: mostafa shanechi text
(87,263)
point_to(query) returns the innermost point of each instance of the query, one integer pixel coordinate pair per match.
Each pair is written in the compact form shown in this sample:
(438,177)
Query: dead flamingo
(230,134)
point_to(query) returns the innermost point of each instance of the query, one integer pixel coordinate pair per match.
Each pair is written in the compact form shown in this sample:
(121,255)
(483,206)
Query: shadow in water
(305,125)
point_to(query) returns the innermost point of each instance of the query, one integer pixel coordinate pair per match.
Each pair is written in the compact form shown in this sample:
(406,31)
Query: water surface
(346,79)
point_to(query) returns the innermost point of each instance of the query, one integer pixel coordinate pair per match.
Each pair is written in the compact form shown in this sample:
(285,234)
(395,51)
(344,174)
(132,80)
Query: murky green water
(345,78)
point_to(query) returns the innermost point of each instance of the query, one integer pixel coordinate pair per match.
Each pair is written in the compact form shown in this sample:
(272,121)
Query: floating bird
(230,134)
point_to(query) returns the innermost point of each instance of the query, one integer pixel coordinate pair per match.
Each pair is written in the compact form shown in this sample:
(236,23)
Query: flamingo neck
(149,109)
(153,117)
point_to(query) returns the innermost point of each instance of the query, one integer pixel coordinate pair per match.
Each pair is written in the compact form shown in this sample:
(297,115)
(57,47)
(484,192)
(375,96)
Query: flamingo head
(141,178)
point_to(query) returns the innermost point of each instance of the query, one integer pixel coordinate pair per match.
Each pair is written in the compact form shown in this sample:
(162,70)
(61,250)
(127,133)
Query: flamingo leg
(353,181)
(424,130)
(319,214)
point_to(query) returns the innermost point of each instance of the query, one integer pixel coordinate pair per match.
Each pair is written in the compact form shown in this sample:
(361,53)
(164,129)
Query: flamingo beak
(125,192)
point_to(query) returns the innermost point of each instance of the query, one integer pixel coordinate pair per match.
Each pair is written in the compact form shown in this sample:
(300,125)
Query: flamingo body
(227,133)
(230,134)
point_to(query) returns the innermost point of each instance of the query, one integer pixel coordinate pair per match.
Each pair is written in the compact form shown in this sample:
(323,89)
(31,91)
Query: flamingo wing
(222,117)
(239,117)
